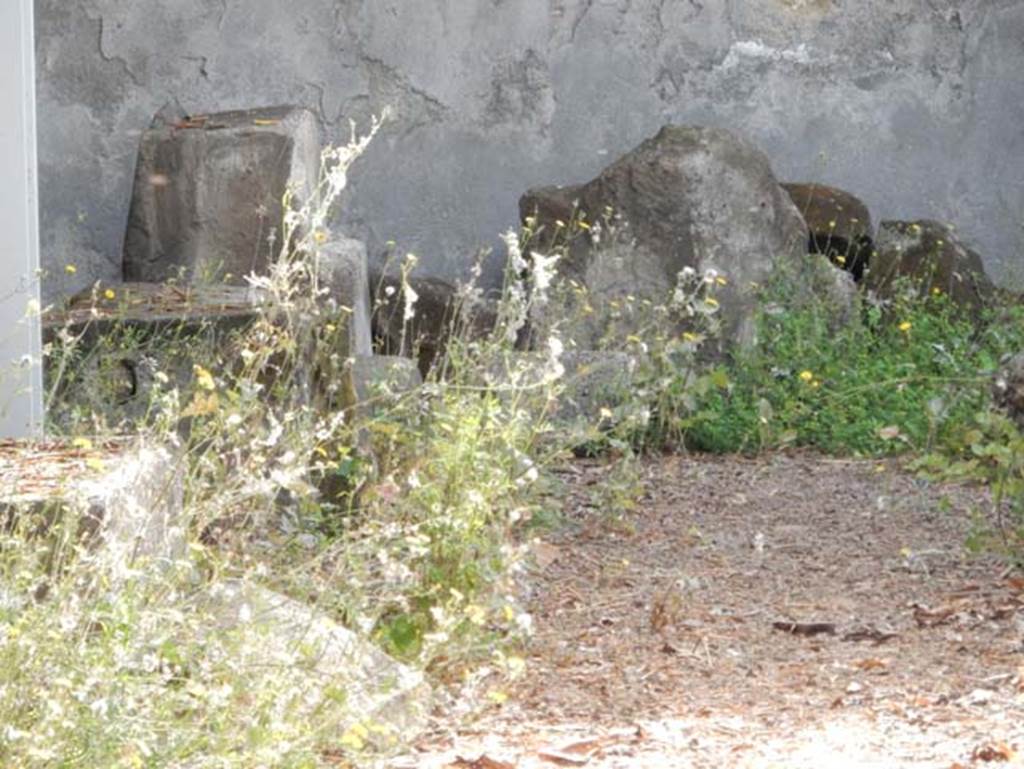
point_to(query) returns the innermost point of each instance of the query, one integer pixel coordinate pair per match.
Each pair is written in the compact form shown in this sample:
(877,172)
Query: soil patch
(791,610)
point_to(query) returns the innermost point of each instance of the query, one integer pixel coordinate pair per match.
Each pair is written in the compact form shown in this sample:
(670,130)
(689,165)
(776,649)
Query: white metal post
(21,399)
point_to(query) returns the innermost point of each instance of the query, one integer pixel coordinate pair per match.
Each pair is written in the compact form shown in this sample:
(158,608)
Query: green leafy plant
(897,379)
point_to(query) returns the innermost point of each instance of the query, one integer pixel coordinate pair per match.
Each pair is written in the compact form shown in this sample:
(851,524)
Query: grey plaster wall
(915,105)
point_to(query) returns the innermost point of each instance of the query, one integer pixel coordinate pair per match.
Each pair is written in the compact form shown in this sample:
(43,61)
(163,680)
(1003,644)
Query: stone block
(122,339)
(1008,388)
(342,267)
(839,224)
(208,192)
(123,498)
(379,379)
(591,380)
(689,197)
(441,311)
(381,695)
(931,257)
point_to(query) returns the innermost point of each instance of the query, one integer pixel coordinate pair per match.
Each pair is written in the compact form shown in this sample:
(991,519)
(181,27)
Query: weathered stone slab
(208,192)
(332,668)
(931,255)
(124,499)
(124,334)
(155,303)
(839,224)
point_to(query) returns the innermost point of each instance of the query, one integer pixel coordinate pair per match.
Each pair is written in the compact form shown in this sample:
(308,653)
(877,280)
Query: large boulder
(839,225)
(1008,388)
(209,189)
(931,257)
(689,197)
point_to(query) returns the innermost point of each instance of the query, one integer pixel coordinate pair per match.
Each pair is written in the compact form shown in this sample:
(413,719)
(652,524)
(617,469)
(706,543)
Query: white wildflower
(411,297)
(515,253)
(525,623)
(555,368)
(543,274)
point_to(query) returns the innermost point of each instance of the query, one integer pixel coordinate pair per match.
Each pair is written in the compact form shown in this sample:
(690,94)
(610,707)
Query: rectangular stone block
(208,192)
(318,656)
(341,264)
(124,499)
(380,380)
(125,333)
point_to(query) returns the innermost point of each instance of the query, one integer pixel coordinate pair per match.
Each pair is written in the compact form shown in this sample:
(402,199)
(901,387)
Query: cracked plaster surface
(914,105)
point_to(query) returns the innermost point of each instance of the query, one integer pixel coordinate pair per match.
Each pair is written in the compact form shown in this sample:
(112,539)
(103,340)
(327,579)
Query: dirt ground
(786,611)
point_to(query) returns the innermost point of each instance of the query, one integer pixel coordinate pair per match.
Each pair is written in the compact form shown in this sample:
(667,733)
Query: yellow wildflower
(905,326)
(204,378)
(936,291)
(110,294)
(355,737)
(721,281)
(70,269)
(840,260)
(320,236)
(807,376)
(711,302)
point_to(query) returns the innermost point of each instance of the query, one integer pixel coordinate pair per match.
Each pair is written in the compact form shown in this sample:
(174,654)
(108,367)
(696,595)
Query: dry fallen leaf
(871,664)
(575,754)
(877,635)
(806,628)
(927,617)
(999,751)
(1004,611)
(483,762)
(580,752)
